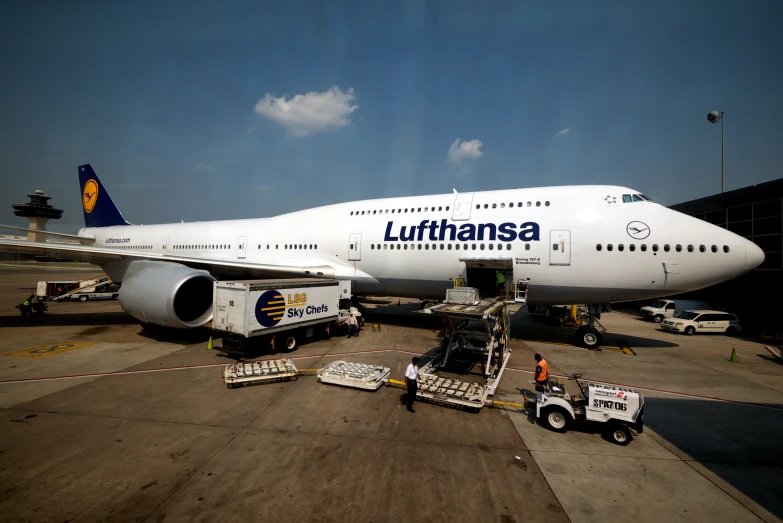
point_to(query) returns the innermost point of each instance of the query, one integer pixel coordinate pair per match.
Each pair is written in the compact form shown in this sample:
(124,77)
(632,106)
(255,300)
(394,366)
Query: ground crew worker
(501,282)
(411,374)
(353,326)
(542,373)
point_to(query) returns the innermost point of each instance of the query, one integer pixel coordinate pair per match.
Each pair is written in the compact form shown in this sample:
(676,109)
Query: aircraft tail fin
(99,209)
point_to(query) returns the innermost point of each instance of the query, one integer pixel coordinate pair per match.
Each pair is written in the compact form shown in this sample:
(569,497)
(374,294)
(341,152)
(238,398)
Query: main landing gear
(588,336)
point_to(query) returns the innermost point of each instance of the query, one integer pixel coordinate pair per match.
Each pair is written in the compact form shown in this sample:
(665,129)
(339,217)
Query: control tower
(37,211)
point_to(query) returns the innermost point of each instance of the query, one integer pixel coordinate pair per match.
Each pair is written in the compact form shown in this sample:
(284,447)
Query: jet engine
(167,294)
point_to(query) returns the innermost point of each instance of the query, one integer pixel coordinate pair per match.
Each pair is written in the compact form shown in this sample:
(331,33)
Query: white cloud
(201,166)
(461,154)
(309,113)
(563,132)
(250,129)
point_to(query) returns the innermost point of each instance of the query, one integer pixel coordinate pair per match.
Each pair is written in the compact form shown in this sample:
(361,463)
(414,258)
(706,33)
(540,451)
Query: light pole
(714,117)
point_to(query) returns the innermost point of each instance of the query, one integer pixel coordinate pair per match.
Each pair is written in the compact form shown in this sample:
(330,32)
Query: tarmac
(106,420)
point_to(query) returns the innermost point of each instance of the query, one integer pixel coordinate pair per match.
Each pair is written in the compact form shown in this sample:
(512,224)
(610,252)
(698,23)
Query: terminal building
(756,213)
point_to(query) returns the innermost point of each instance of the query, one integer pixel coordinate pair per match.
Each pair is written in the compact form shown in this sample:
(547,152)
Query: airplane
(589,244)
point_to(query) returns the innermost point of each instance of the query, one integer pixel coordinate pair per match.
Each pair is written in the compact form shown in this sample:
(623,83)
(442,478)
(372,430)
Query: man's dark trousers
(412,388)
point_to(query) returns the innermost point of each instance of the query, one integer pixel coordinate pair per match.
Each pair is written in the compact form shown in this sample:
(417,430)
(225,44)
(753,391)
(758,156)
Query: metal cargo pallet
(452,391)
(356,375)
(239,374)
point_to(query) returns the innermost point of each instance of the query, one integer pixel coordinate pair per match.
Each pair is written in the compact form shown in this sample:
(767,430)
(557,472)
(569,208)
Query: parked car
(691,322)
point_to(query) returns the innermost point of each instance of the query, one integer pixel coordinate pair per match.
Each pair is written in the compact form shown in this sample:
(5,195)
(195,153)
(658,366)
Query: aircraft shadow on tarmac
(738,442)
(68,319)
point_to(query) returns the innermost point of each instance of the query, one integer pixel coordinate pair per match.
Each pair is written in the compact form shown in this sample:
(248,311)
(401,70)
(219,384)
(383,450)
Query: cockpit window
(637,198)
(647,198)
(627,198)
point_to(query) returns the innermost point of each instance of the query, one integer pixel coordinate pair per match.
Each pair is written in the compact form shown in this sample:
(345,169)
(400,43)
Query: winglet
(99,209)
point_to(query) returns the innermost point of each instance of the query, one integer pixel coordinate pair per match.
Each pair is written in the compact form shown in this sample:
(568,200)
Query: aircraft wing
(279,268)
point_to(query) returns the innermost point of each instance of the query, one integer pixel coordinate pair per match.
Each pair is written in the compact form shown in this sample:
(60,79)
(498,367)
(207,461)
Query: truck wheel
(658,318)
(689,331)
(82,298)
(619,434)
(290,343)
(556,419)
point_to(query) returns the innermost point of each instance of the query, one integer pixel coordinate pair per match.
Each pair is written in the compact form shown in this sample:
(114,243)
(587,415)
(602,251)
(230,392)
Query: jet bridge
(476,331)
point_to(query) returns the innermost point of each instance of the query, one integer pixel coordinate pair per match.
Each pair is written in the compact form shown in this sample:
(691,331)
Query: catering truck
(280,314)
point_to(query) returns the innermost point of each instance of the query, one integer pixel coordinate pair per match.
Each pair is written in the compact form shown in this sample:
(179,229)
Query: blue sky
(209,110)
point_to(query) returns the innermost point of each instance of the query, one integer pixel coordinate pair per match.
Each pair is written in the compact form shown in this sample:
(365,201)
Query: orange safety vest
(540,378)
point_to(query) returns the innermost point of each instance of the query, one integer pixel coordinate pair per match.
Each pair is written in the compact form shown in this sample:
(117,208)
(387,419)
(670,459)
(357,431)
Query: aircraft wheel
(588,338)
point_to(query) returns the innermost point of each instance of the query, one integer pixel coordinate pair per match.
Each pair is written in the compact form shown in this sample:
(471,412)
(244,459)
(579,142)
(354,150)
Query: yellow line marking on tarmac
(48,350)
(625,350)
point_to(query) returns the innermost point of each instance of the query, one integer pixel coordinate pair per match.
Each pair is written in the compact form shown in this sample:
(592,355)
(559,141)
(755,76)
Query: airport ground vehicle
(37,307)
(104,291)
(691,322)
(280,314)
(660,309)
(55,290)
(617,408)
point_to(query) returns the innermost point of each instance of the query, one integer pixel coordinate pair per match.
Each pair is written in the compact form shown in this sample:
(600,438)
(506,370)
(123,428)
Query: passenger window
(529,204)
(702,248)
(419,246)
(491,247)
(502,205)
(690,248)
(632,247)
(519,204)
(609,247)
(425,209)
(441,247)
(655,247)
(547,204)
(627,198)
(456,247)
(372,246)
(669,306)
(447,207)
(678,248)
(620,247)
(449,246)
(666,247)
(473,246)
(527,246)
(508,246)
(427,246)
(385,246)
(538,204)
(714,248)
(494,206)
(726,248)
(478,206)
(598,247)
(351,213)
(486,206)
(482,246)
(511,204)
(406,247)
(440,208)
(643,247)
(419,210)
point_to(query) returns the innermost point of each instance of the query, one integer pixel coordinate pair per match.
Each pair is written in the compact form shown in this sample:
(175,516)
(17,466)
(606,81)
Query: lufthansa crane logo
(638,230)
(270,308)
(89,195)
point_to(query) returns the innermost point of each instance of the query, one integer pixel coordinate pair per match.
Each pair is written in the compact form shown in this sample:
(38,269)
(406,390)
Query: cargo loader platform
(355,375)
(241,374)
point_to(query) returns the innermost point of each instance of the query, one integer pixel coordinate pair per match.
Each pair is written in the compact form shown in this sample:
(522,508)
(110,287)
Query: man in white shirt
(410,380)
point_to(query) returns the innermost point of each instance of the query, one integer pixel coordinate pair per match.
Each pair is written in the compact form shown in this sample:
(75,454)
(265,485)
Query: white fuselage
(548,235)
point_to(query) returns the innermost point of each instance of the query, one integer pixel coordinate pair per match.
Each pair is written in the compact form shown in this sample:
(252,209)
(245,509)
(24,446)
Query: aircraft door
(462,204)
(242,247)
(560,247)
(355,247)
(165,248)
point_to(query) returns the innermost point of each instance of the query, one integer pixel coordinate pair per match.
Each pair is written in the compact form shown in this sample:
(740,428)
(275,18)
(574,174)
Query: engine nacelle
(167,294)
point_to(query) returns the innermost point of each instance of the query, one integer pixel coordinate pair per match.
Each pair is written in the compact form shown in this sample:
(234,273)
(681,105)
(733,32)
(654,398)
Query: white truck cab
(660,309)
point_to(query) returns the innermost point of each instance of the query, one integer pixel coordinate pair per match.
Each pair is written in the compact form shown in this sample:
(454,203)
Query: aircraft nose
(754,256)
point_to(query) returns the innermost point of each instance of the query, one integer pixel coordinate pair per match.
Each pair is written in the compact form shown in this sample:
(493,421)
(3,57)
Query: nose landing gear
(588,336)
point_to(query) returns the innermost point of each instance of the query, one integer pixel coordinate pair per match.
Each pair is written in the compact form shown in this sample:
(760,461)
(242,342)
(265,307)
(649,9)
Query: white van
(691,322)
(660,309)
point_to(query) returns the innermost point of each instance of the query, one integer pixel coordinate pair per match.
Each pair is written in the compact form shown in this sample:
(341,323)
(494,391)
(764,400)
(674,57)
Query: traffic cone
(734,358)
(209,344)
